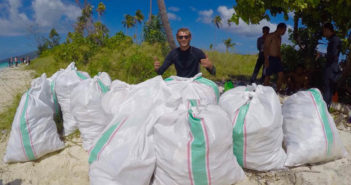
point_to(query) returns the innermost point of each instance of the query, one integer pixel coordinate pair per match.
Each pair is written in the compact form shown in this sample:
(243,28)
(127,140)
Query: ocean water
(4,65)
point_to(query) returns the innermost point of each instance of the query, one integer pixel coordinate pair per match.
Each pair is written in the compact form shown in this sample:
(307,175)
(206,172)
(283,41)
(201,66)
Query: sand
(70,165)
(13,81)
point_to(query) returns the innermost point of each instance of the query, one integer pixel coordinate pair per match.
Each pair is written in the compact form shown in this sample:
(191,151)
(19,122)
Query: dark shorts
(275,66)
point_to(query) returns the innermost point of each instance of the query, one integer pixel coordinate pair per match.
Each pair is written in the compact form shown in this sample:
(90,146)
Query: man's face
(282,31)
(183,39)
(326,32)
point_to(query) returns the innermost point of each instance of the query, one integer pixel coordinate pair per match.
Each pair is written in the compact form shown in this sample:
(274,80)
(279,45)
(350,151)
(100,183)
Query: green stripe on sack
(24,131)
(103,87)
(81,76)
(209,83)
(101,142)
(198,151)
(169,79)
(52,87)
(193,103)
(238,134)
(323,113)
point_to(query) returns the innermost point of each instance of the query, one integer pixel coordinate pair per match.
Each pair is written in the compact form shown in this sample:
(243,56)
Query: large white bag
(65,83)
(52,81)
(310,134)
(256,116)
(112,100)
(195,88)
(87,109)
(124,152)
(33,132)
(194,146)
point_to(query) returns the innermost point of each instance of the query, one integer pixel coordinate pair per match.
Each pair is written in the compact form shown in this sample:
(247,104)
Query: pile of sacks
(172,131)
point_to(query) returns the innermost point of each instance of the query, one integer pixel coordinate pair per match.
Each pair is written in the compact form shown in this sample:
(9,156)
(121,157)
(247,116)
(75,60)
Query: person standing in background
(332,70)
(260,59)
(272,55)
(16,61)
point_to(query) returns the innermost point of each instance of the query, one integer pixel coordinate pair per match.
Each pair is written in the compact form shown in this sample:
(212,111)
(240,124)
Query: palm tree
(165,23)
(217,20)
(101,9)
(150,13)
(139,17)
(228,44)
(128,22)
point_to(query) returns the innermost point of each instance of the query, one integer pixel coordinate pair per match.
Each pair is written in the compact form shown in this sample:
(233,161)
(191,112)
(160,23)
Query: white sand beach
(70,165)
(13,81)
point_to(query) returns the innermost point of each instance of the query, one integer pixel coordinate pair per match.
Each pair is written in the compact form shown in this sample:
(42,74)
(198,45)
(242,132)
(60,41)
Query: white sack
(52,81)
(195,147)
(33,132)
(255,113)
(65,83)
(124,152)
(195,88)
(87,109)
(119,92)
(310,134)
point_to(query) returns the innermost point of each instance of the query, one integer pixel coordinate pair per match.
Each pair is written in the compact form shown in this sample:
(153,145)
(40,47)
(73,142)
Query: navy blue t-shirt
(187,63)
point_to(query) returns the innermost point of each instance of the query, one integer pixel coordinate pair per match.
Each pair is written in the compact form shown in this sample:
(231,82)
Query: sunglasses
(183,37)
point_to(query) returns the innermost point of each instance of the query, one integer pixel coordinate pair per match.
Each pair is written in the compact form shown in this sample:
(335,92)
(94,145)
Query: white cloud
(46,15)
(173,17)
(205,16)
(243,29)
(173,9)
(14,22)
(49,12)
(291,15)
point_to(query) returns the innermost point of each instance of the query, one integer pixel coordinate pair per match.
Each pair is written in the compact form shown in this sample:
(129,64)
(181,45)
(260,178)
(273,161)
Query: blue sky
(21,21)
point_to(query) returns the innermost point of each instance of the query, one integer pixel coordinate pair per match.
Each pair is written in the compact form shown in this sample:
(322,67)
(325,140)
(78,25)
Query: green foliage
(154,31)
(49,43)
(291,58)
(217,20)
(54,38)
(230,65)
(228,44)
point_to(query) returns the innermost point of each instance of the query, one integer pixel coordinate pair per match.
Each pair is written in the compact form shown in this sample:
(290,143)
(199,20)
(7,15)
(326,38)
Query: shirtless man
(272,55)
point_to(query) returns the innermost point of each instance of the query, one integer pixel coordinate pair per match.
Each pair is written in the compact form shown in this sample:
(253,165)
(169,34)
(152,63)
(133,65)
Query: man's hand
(156,64)
(318,55)
(206,63)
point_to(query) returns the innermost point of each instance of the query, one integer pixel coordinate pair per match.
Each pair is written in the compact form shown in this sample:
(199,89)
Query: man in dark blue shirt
(187,59)
(260,59)
(331,71)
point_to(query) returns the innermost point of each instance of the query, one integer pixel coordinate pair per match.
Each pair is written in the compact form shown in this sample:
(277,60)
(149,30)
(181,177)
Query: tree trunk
(150,13)
(296,29)
(165,23)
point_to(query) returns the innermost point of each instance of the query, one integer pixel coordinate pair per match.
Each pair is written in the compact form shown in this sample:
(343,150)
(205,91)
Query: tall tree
(228,44)
(154,31)
(139,18)
(150,12)
(128,22)
(54,38)
(101,9)
(165,23)
(217,20)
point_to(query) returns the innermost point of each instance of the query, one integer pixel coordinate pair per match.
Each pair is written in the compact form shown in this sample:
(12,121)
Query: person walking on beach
(272,55)
(10,61)
(187,59)
(260,59)
(16,61)
(331,70)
